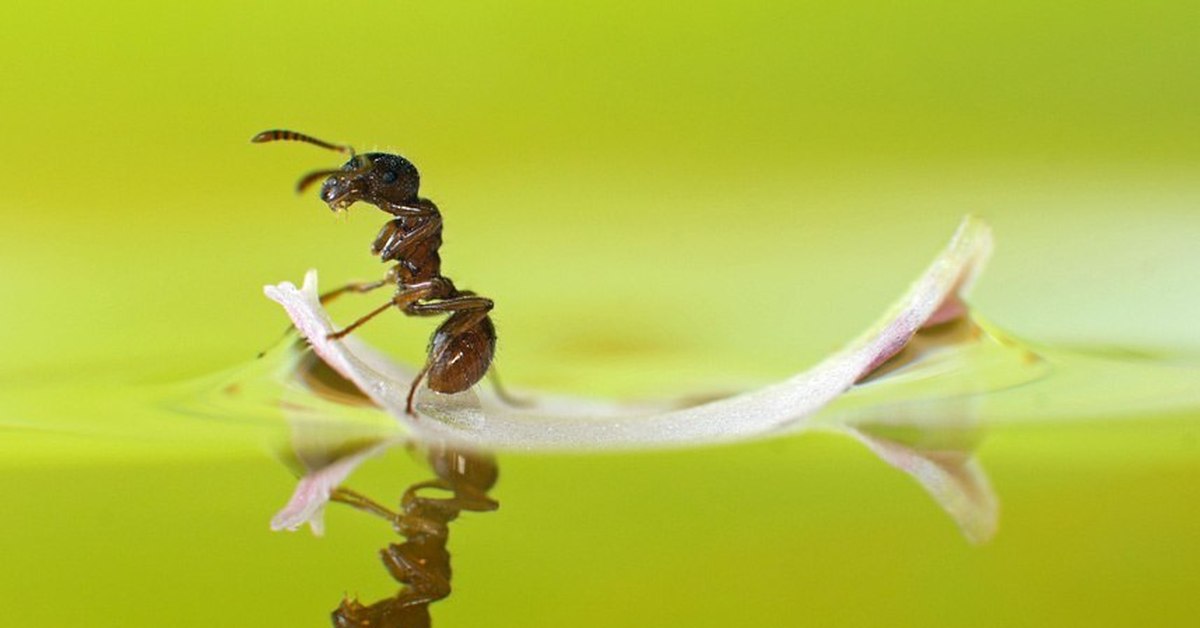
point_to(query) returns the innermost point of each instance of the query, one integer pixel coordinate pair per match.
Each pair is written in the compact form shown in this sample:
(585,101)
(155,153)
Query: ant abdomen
(461,351)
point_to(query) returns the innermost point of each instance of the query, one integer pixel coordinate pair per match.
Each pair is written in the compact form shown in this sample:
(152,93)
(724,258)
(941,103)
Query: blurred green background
(661,198)
(619,176)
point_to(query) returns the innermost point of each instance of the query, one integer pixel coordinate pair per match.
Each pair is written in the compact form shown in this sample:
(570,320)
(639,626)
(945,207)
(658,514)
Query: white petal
(478,419)
(953,478)
(307,504)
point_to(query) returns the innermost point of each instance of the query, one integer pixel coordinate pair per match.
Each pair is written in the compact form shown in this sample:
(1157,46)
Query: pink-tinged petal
(476,418)
(307,504)
(953,478)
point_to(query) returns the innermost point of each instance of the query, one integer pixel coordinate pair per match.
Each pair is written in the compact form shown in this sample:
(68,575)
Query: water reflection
(923,410)
(462,479)
(421,562)
(933,434)
(956,337)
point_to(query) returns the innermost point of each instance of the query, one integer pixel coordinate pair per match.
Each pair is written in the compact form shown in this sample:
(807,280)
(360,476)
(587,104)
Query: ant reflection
(421,562)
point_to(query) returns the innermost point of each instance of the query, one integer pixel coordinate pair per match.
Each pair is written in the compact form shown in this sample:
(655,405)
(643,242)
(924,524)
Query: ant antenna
(277,135)
(285,135)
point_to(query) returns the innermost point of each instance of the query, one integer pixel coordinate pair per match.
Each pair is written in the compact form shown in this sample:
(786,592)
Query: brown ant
(462,347)
(422,561)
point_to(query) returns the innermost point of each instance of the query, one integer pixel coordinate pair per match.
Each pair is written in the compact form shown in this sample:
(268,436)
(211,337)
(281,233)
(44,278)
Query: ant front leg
(399,238)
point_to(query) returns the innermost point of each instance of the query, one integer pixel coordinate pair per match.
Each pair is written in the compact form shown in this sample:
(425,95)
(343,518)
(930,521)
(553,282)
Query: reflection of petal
(953,478)
(475,418)
(307,504)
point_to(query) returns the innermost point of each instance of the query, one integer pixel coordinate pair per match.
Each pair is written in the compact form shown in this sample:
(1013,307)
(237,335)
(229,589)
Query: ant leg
(356,324)
(394,243)
(410,493)
(361,502)
(503,394)
(461,497)
(412,390)
(403,300)
(287,332)
(361,287)
(462,302)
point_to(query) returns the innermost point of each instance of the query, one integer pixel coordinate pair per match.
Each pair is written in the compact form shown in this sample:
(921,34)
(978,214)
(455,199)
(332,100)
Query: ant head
(380,179)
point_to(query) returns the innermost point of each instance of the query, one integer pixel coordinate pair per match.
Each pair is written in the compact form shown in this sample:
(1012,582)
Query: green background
(661,198)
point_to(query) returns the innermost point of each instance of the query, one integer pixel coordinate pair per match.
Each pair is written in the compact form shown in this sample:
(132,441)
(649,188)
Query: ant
(422,562)
(462,347)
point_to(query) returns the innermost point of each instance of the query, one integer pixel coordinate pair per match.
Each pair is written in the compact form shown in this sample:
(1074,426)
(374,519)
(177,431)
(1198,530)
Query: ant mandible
(461,349)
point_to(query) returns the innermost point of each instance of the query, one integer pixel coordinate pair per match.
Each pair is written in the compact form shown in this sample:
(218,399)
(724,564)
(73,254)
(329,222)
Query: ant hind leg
(502,393)
(412,390)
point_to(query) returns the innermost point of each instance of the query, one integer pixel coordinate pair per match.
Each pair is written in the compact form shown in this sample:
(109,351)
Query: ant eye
(389,176)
